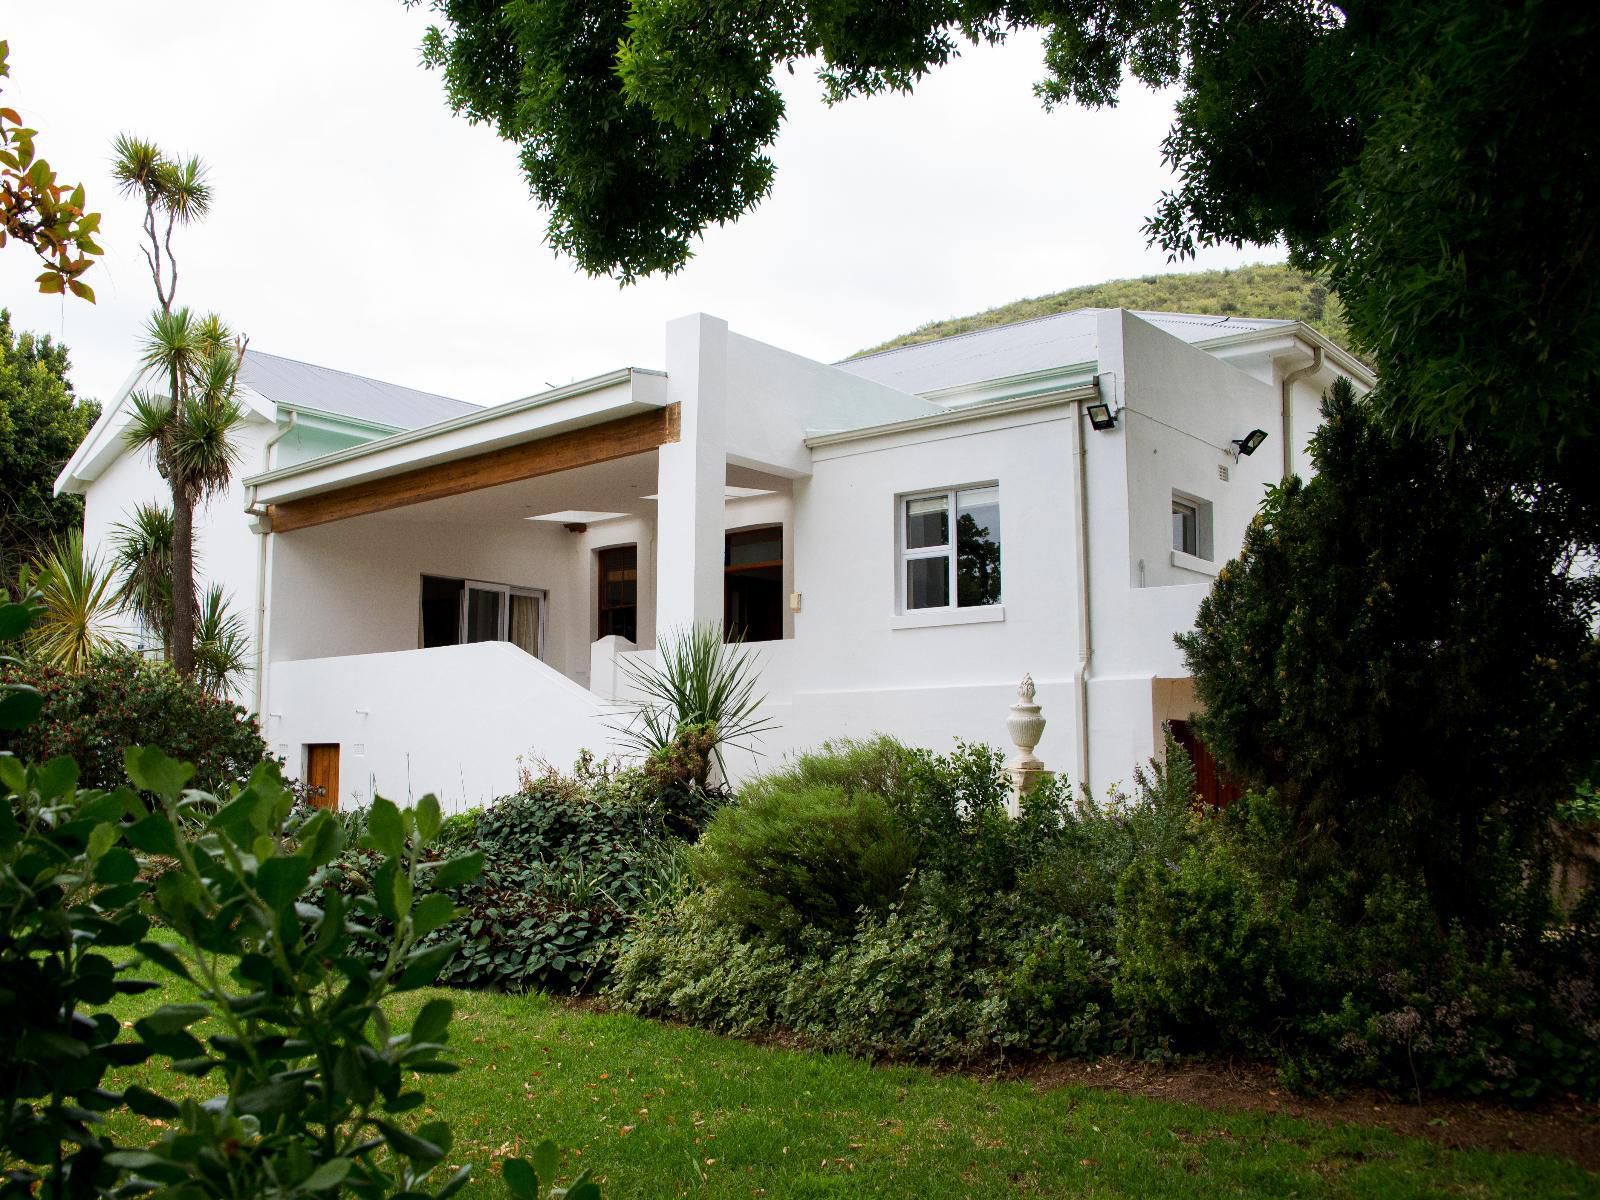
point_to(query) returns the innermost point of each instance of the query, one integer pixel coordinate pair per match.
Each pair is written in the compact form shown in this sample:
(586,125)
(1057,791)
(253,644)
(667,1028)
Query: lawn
(659,1111)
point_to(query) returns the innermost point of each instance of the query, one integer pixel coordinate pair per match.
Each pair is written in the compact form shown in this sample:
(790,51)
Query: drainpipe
(1286,417)
(263,529)
(1085,624)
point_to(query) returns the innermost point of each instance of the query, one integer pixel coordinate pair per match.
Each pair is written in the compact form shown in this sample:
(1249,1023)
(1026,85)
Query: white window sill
(1191,562)
(927,618)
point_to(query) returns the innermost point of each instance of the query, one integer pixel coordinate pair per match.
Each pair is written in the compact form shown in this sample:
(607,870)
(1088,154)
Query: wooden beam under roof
(620,438)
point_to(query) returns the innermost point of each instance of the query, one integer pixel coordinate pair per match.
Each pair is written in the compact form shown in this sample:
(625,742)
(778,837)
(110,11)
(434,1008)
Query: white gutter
(263,531)
(1286,415)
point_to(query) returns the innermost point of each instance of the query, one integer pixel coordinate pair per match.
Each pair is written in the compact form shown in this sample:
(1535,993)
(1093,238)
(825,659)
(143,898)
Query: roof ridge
(364,378)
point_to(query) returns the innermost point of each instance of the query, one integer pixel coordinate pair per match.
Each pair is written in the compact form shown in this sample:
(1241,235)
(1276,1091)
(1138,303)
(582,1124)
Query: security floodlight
(1249,443)
(1101,416)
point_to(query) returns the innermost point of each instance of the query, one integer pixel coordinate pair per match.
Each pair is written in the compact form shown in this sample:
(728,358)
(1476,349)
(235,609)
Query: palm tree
(142,558)
(173,190)
(222,648)
(76,592)
(190,434)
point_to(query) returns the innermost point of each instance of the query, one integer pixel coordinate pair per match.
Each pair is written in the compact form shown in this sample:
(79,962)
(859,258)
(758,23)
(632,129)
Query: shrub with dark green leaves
(122,700)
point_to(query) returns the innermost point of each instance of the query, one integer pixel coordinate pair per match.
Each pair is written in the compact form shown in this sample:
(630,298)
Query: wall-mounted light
(1249,443)
(1101,416)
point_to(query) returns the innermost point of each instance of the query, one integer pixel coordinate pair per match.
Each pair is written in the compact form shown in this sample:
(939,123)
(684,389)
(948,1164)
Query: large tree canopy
(1436,159)
(41,424)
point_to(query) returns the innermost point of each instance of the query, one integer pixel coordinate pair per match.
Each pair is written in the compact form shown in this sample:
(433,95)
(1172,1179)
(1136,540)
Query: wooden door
(322,774)
(1214,787)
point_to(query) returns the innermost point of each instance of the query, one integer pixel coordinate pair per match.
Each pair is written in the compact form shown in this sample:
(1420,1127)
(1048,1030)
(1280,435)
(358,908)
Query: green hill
(1264,290)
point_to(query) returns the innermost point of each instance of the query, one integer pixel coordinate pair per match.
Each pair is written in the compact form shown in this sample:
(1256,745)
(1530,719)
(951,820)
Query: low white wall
(452,721)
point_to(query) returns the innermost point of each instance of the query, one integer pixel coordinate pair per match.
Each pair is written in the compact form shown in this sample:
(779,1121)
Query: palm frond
(202,451)
(184,191)
(142,559)
(221,644)
(135,164)
(173,342)
(697,680)
(150,422)
(78,600)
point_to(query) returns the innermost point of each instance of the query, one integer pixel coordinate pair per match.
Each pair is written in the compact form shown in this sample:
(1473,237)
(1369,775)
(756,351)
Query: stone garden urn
(1026,727)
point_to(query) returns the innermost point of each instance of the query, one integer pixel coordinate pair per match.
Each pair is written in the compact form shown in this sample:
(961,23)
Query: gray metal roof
(295,384)
(1062,340)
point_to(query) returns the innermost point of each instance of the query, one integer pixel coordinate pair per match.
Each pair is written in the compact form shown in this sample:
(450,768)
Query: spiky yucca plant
(77,598)
(142,558)
(698,681)
(222,646)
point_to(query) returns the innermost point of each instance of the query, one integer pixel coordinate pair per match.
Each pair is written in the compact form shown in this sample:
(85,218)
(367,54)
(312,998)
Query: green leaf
(428,818)
(237,818)
(153,771)
(281,880)
(547,1161)
(147,1104)
(409,1144)
(329,1175)
(101,839)
(278,1096)
(170,1018)
(432,1021)
(153,834)
(20,708)
(162,955)
(457,871)
(14,618)
(433,912)
(521,1178)
(454,1184)
(424,966)
(584,1188)
(116,866)
(386,830)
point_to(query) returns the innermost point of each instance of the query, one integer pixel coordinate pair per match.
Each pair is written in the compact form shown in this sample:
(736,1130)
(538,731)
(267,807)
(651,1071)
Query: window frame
(503,624)
(950,549)
(601,607)
(1190,511)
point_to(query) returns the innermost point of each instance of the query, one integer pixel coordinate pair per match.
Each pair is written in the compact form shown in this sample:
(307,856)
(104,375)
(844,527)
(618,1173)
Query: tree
(190,434)
(1432,158)
(1404,653)
(174,192)
(40,212)
(41,424)
(76,593)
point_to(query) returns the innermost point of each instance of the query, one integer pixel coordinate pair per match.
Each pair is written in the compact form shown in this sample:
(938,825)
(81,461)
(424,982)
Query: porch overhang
(597,420)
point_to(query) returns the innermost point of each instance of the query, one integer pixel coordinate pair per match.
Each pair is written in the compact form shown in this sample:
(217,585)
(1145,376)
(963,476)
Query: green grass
(1262,290)
(661,1111)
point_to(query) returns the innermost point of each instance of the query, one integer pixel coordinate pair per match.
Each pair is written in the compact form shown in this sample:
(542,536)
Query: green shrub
(121,700)
(792,856)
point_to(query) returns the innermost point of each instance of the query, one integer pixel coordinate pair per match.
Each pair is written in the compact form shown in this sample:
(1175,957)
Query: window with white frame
(950,548)
(1191,525)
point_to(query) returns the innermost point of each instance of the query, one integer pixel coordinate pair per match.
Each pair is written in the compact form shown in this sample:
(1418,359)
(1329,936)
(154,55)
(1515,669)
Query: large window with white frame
(950,548)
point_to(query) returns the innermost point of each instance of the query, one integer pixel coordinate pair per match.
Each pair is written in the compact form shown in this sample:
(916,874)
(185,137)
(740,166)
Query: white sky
(358,224)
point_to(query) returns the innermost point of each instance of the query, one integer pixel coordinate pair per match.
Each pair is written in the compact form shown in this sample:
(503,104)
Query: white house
(439,589)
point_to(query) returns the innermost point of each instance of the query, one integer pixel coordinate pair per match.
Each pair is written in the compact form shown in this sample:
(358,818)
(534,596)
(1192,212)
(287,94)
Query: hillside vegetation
(1264,290)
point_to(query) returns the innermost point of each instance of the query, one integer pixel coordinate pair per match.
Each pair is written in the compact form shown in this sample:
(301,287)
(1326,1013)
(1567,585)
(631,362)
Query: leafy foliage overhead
(1432,158)
(40,212)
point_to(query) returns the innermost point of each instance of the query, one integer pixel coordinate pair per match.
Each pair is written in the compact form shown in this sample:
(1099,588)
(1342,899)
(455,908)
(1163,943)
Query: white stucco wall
(453,721)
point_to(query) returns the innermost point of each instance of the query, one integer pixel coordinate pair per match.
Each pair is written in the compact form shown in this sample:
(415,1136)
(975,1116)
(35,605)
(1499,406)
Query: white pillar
(691,477)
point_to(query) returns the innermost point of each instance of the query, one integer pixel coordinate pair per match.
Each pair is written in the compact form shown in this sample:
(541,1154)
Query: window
(752,587)
(1191,526)
(951,562)
(618,569)
(456,612)
(1185,527)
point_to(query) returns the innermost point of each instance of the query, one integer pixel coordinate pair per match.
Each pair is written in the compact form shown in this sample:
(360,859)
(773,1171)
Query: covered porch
(431,621)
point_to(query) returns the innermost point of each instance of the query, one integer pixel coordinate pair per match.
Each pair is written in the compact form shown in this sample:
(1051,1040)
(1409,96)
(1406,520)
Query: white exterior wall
(858,667)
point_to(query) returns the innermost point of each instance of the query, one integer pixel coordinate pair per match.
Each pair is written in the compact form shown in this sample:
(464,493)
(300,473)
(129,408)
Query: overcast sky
(358,224)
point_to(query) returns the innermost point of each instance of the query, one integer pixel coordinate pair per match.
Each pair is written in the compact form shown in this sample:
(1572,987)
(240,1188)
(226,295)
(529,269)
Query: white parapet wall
(456,721)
